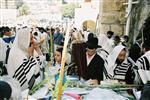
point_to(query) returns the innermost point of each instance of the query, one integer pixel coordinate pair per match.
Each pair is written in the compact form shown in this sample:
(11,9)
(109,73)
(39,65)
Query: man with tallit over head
(23,64)
(118,67)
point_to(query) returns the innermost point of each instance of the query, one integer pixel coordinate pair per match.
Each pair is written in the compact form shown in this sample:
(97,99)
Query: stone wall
(140,12)
(112,16)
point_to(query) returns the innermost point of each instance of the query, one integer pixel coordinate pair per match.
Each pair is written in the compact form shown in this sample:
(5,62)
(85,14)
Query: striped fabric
(143,63)
(121,70)
(25,72)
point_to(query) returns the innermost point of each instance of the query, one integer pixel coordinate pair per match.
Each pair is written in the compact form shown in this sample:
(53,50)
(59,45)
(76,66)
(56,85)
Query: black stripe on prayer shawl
(121,69)
(20,75)
(147,63)
(22,68)
(31,58)
(117,72)
(23,79)
(105,51)
(38,59)
(31,82)
(23,82)
(106,61)
(25,61)
(37,75)
(141,62)
(124,64)
(108,76)
(29,65)
(21,72)
(144,64)
(26,71)
(17,70)
(16,77)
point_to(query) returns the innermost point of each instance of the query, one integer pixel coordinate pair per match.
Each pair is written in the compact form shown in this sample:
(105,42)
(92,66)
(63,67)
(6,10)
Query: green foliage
(24,9)
(56,90)
(37,86)
(68,10)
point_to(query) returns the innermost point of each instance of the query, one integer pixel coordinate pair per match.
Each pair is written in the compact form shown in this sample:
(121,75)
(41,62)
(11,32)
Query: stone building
(86,15)
(112,16)
(140,12)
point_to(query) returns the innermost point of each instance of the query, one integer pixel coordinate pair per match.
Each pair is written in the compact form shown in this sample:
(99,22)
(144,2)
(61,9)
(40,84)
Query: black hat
(5,90)
(92,43)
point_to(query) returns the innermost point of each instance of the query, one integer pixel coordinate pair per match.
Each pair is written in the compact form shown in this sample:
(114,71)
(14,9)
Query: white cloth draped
(18,51)
(20,66)
(111,59)
(105,42)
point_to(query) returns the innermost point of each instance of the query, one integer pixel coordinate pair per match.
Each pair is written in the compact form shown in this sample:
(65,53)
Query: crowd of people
(106,56)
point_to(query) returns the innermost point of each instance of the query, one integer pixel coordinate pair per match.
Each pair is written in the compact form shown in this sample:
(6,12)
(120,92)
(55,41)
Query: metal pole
(100,16)
(129,17)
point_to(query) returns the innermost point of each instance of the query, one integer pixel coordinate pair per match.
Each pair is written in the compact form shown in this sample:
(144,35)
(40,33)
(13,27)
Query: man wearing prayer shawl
(144,61)
(118,66)
(5,45)
(23,64)
(106,41)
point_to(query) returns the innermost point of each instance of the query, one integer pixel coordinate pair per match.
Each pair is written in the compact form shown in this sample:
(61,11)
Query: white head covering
(19,55)
(19,50)
(110,66)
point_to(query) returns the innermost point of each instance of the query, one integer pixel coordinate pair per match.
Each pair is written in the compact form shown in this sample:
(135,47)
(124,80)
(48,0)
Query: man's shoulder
(99,57)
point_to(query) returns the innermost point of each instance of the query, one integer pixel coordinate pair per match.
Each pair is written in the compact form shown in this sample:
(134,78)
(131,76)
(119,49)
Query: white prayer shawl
(110,65)
(141,62)
(3,49)
(143,66)
(121,70)
(45,44)
(105,42)
(20,66)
